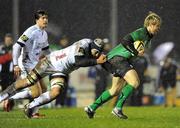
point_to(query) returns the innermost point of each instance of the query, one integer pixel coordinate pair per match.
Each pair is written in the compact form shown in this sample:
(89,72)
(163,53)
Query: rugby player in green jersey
(125,78)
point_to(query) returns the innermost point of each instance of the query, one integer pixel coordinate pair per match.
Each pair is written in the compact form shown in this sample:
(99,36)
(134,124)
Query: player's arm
(128,43)
(45,51)
(81,60)
(17,47)
(16,53)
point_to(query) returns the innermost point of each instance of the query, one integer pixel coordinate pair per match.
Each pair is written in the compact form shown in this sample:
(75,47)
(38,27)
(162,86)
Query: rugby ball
(139,45)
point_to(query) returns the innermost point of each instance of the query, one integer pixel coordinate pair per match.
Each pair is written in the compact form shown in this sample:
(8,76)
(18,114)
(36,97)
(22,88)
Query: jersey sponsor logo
(24,38)
(58,57)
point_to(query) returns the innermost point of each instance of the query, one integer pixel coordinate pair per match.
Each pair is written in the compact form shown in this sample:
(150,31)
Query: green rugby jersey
(127,49)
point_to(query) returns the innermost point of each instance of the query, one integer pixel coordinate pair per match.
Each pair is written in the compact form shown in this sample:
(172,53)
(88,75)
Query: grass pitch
(139,117)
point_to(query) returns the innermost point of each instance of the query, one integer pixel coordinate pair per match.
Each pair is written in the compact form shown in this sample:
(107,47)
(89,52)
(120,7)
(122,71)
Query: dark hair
(40,13)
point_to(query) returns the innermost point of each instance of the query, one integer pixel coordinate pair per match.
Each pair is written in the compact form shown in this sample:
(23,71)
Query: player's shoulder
(85,40)
(31,30)
(142,29)
(83,43)
(139,32)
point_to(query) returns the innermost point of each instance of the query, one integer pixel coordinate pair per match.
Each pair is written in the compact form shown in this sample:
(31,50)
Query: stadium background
(93,18)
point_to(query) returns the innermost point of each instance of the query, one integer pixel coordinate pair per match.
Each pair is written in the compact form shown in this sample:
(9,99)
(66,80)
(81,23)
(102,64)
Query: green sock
(126,91)
(105,96)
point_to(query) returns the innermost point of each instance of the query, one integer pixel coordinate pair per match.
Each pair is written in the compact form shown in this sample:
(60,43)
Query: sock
(9,91)
(3,96)
(25,94)
(41,100)
(36,110)
(105,96)
(126,91)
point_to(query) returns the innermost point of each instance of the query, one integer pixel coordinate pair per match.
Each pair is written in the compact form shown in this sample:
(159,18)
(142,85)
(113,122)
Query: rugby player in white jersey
(58,64)
(31,45)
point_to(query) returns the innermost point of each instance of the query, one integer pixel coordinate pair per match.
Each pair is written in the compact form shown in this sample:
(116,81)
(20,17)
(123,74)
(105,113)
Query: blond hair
(152,18)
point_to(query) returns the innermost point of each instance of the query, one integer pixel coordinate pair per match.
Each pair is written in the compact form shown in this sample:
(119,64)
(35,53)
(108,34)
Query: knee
(57,85)
(35,93)
(135,83)
(55,91)
(31,79)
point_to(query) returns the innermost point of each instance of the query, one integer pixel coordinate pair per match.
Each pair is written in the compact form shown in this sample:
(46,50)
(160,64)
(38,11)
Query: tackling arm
(81,61)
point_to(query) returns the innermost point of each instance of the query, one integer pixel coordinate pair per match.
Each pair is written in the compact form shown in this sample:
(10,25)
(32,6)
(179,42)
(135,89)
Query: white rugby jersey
(63,60)
(34,40)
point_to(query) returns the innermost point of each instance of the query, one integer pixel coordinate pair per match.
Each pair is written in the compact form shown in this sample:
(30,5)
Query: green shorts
(118,66)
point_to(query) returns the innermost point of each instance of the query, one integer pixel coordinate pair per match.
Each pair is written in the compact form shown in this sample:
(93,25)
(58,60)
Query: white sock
(36,110)
(41,100)
(3,97)
(25,94)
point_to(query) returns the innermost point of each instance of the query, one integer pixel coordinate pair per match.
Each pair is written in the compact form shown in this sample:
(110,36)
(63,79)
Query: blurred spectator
(107,45)
(6,64)
(99,74)
(63,42)
(167,80)
(62,98)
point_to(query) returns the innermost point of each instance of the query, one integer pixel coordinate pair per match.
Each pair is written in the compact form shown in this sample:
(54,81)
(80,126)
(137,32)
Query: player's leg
(118,66)
(35,75)
(31,92)
(57,85)
(20,84)
(132,80)
(117,84)
(27,93)
(41,87)
(43,84)
(24,94)
(35,90)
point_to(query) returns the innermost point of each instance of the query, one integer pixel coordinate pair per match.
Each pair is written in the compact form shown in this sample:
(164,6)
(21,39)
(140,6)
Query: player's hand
(41,57)
(141,52)
(102,58)
(17,71)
